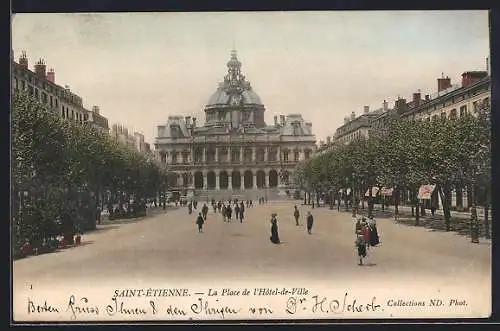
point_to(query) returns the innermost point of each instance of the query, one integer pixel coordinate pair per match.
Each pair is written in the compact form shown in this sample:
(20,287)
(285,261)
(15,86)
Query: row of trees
(407,154)
(61,171)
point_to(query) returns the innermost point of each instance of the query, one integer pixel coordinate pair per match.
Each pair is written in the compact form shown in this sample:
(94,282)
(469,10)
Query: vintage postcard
(250,166)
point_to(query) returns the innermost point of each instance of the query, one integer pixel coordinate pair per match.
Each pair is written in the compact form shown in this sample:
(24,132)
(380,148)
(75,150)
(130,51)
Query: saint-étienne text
(151,292)
(323,305)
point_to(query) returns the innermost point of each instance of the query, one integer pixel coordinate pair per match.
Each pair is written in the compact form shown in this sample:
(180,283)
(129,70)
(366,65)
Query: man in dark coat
(199,222)
(296,214)
(204,211)
(310,221)
(242,211)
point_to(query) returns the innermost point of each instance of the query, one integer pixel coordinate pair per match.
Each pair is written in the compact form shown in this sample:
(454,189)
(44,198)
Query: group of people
(366,236)
(275,239)
(224,208)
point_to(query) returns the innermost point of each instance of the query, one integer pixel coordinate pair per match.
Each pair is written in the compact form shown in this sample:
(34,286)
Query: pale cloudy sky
(141,68)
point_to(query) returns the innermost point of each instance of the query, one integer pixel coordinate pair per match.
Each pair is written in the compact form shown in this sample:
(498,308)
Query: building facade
(234,149)
(451,101)
(129,138)
(41,85)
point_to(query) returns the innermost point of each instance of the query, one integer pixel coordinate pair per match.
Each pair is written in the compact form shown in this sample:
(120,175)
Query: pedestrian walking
(199,222)
(365,232)
(224,213)
(236,211)
(229,212)
(251,203)
(310,221)
(361,247)
(242,211)
(296,214)
(275,238)
(204,211)
(190,208)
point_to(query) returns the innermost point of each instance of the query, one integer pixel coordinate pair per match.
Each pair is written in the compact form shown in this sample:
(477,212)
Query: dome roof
(221,97)
(234,87)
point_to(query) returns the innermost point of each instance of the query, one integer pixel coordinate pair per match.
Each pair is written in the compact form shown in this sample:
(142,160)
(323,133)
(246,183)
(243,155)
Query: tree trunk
(422,208)
(309,198)
(370,201)
(486,222)
(415,206)
(395,194)
(444,193)
(331,200)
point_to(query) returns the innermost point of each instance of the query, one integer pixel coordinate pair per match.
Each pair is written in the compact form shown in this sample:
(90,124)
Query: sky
(141,68)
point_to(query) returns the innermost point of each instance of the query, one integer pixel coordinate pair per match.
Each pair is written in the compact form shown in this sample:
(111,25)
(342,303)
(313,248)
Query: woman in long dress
(374,238)
(275,239)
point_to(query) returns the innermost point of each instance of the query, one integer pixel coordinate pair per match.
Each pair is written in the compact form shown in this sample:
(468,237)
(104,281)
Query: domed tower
(234,104)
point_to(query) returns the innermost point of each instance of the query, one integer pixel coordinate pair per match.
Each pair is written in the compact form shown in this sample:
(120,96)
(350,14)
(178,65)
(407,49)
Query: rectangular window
(57,103)
(463,110)
(296,156)
(285,156)
(51,102)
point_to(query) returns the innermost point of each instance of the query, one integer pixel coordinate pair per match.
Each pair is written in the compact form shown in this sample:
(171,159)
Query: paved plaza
(167,246)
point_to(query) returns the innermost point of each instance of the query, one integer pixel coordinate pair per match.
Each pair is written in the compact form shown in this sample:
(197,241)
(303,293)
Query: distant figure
(361,246)
(229,212)
(204,211)
(251,203)
(190,207)
(224,213)
(265,199)
(236,211)
(199,222)
(195,204)
(296,214)
(275,239)
(242,211)
(310,221)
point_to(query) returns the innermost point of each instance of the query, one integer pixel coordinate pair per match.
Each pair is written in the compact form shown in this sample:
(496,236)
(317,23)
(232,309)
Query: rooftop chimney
(95,109)
(400,105)
(23,60)
(309,127)
(66,87)
(366,109)
(51,76)
(385,105)
(346,119)
(328,139)
(275,120)
(470,77)
(443,83)
(40,69)
(353,116)
(416,99)
(282,120)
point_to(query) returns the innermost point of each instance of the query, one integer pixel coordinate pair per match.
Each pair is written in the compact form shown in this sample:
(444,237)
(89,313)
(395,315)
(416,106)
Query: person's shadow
(368,264)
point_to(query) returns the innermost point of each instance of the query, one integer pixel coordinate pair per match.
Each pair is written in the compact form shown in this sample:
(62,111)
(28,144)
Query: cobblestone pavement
(168,247)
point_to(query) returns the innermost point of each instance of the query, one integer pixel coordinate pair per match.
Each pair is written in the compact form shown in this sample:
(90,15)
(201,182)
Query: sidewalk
(460,221)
